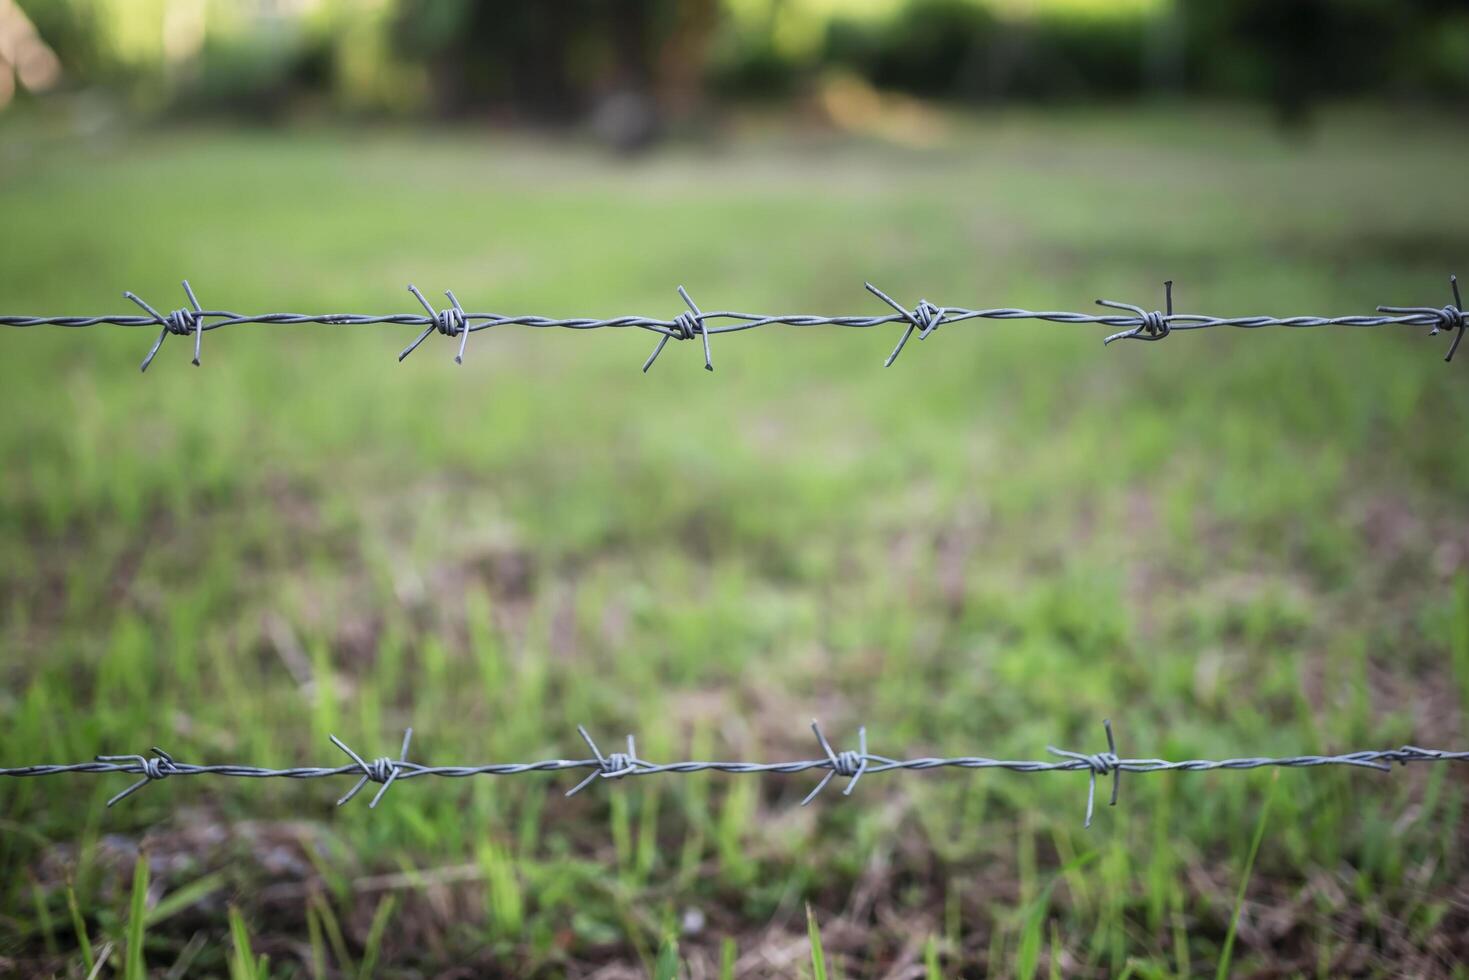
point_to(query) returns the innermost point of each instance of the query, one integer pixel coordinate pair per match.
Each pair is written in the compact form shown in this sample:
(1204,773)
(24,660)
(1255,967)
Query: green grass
(1231,543)
(818,952)
(1244,882)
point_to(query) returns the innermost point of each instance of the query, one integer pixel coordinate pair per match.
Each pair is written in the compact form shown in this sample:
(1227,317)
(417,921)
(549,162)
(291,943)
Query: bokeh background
(1231,543)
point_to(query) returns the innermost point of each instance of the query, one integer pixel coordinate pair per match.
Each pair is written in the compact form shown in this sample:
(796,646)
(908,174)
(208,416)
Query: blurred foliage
(1292,53)
(545,60)
(956,49)
(560,61)
(1288,53)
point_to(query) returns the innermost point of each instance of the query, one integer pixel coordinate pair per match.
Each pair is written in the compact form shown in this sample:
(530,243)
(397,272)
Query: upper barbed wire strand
(618,765)
(925,318)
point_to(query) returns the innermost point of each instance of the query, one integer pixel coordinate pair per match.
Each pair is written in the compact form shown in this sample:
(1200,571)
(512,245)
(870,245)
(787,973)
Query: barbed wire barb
(383,770)
(448,322)
(1133,322)
(1151,326)
(1451,317)
(180,321)
(156,768)
(1098,764)
(683,327)
(925,318)
(464,326)
(849,764)
(612,766)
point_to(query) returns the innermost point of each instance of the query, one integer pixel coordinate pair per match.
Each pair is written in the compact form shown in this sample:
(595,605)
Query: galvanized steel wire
(849,764)
(453,321)
(1134,323)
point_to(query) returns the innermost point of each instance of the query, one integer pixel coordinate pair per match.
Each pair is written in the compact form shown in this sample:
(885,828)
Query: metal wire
(1136,323)
(852,765)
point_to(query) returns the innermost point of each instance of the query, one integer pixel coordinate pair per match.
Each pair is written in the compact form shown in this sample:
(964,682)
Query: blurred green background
(1231,543)
(641,67)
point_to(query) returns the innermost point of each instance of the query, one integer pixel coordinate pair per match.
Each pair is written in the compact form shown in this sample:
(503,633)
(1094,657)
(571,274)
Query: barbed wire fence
(1135,323)
(850,764)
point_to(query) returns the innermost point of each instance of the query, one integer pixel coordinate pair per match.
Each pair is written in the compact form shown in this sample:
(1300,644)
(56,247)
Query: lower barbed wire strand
(877,764)
(849,764)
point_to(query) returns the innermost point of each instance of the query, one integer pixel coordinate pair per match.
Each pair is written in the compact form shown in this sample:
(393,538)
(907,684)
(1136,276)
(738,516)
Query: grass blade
(818,955)
(931,969)
(1244,883)
(186,957)
(728,954)
(667,966)
(96,970)
(334,935)
(318,944)
(242,960)
(185,897)
(133,965)
(380,917)
(79,925)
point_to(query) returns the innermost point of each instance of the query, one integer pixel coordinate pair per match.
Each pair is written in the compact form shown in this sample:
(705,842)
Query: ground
(1230,543)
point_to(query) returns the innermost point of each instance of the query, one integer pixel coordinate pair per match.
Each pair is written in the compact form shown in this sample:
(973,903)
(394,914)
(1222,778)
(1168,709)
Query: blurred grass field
(1231,543)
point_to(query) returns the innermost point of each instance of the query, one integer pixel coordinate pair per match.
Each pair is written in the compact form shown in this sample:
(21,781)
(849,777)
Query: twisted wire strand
(849,764)
(1133,323)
